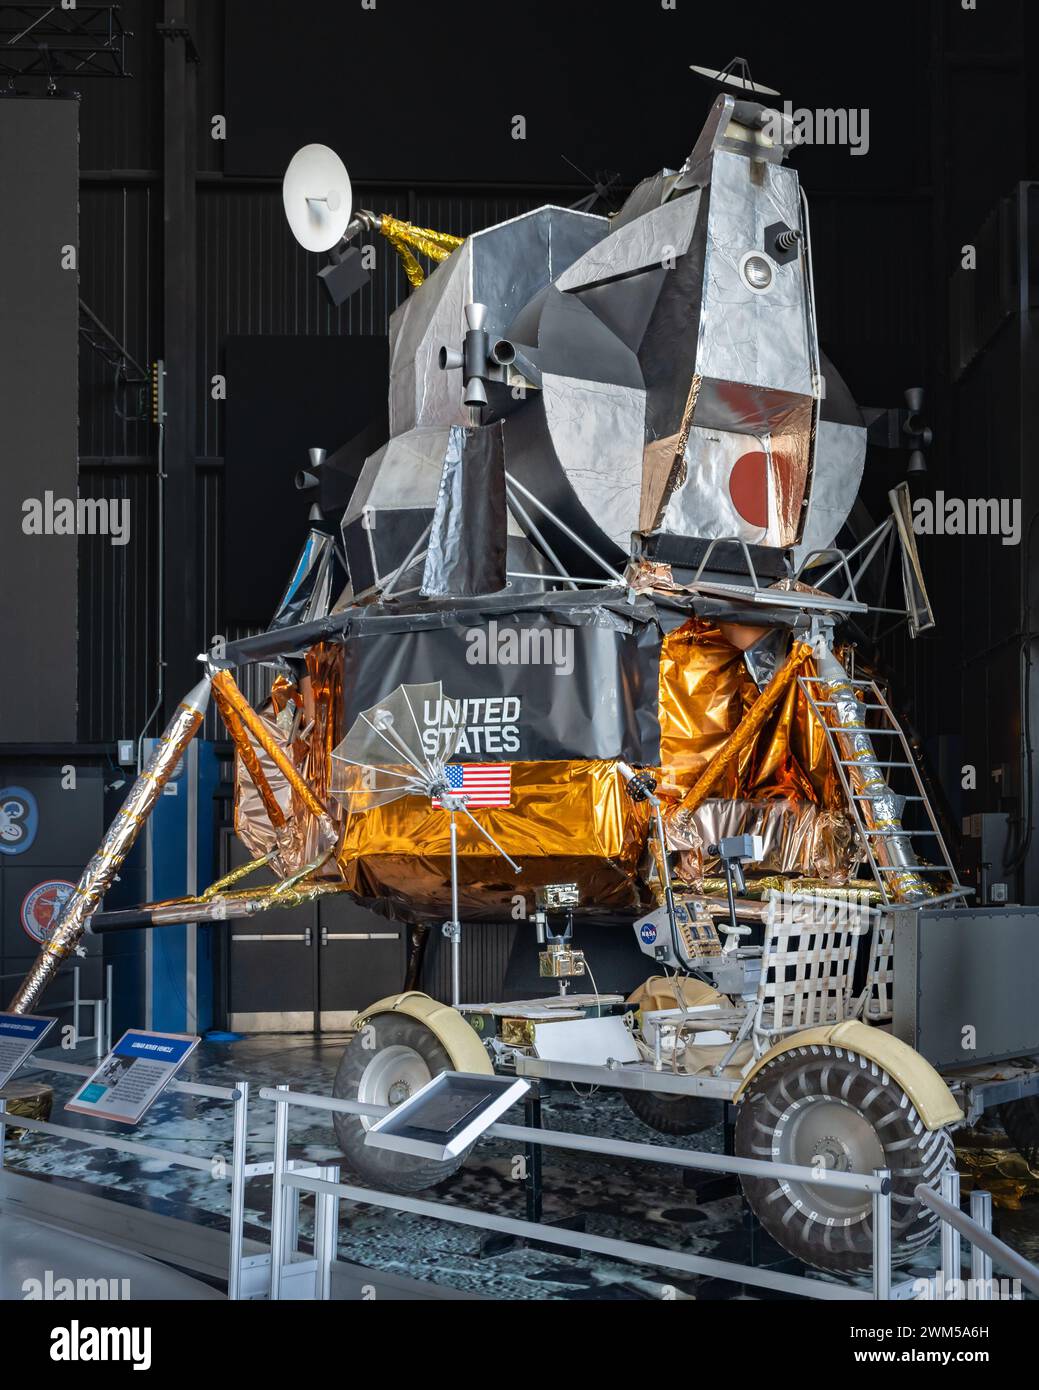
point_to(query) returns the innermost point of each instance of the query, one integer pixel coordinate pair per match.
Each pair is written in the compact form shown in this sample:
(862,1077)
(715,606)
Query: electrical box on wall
(985,844)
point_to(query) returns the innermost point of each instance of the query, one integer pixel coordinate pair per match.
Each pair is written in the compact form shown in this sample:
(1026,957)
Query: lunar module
(582,650)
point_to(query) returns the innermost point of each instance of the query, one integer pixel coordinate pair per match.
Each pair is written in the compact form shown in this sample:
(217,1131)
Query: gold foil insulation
(986,1159)
(33,1099)
(738,761)
(231,698)
(732,758)
(118,840)
(569,822)
(273,809)
(799,838)
(728,763)
(404,238)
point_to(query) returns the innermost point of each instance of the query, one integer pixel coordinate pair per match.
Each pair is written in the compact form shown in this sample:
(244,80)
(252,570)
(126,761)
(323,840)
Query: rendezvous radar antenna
(735,76)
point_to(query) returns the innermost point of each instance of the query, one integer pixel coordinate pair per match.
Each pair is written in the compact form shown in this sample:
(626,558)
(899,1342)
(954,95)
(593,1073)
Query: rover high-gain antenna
(317,196)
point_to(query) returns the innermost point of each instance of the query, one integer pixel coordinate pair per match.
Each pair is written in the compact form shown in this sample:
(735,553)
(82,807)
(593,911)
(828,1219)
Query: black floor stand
(751,1244)
(495,1242)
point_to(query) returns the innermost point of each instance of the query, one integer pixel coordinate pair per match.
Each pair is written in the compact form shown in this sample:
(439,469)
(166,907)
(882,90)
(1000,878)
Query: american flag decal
(485,784)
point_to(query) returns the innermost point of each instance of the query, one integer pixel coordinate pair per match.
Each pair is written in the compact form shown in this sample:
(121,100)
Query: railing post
(326,1233)
(108,1009)
(882,1236)
(980,1261)
(950,1235)
(281,1135)
(75,1004)
(237,1227)
(3,1130)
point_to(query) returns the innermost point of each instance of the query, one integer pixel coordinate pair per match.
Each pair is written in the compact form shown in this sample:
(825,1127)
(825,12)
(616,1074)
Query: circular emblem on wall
(648,932)
(42,905)
(19,820)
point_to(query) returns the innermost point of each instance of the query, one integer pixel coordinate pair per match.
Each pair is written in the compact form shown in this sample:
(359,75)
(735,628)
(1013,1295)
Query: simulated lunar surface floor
(645,1202)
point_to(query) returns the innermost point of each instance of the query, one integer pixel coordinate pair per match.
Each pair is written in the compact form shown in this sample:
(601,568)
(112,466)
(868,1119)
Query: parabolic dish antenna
(317,196)
(739,81)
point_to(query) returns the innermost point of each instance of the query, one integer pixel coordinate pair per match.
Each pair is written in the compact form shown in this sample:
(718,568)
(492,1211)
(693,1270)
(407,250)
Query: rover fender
(932,1098)
(461,1044)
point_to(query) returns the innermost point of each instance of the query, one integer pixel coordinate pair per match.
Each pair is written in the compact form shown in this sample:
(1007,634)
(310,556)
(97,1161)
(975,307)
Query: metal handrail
(327,1192)
(102,1035)
(701,1265)
(614,1148)
(240,1171)
(980,1238)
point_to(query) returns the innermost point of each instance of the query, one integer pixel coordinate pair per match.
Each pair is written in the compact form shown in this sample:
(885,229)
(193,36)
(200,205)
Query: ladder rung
(861,729)
(848,680)
(916,869)
(835,704)
(869,762)
(911,834)
(882,796)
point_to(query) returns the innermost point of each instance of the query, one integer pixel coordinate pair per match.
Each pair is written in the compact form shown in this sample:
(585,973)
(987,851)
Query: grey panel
(667,354)
(420,393)
(626,306)
(503,267)
(575,342)
(645,196)
(597,431)
(39,343)
(662,234)
(30,1248)
(513,261)
(840,453)
(405,472)
(965,984)
(763,339)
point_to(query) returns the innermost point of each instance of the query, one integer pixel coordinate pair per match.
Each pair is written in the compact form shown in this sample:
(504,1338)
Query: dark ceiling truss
(45,40)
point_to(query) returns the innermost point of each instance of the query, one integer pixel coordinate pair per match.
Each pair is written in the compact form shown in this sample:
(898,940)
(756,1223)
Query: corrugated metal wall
(253,278)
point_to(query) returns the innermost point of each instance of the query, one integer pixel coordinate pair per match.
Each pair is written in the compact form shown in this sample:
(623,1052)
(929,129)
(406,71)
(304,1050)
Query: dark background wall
(185,254)
(38,309)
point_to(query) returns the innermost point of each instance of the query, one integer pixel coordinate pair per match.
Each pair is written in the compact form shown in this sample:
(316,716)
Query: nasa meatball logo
(19,820)
(42,905)
(648,932)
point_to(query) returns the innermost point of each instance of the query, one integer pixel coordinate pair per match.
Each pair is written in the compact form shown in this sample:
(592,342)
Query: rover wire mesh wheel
(825,1105)
(388,1060)
(671,1114)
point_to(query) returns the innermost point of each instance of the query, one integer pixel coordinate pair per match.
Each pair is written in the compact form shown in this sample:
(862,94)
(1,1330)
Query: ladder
(894,756)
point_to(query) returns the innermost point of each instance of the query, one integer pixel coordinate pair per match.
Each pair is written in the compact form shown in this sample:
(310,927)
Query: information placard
(19,1035)
(132,1075)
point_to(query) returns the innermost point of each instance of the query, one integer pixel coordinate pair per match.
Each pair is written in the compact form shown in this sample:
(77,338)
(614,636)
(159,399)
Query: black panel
(39,334)
(67,818)
(686,553)
(470,503)
(284,396)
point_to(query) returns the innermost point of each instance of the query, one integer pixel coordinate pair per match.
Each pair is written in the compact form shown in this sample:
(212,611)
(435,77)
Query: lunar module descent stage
(587,615)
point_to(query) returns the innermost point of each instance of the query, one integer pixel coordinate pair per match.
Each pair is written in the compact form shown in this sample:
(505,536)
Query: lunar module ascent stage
(582,650)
